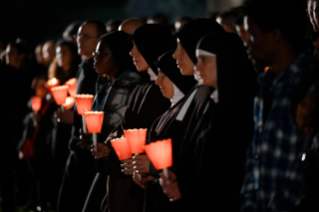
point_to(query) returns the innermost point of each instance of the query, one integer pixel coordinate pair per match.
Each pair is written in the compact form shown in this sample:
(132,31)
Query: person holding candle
(174,87)
(35,145)
(80,168)
(115,67)
(145,105)
(67,61)
(224,67)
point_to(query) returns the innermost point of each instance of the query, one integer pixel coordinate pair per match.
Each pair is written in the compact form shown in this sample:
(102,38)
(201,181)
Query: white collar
(178,95)
(198,78)
(214,96)
(152,74)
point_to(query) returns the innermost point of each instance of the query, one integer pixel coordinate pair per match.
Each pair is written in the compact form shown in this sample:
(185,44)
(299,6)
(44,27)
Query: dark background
(36,21)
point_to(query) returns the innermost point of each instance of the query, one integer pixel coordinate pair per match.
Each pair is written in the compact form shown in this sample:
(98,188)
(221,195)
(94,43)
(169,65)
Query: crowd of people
(236,93)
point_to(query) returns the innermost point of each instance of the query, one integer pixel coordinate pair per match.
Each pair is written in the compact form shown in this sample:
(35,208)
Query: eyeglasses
(84,37)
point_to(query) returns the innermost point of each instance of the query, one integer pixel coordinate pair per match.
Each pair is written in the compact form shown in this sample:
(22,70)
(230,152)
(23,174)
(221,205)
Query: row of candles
(133,141)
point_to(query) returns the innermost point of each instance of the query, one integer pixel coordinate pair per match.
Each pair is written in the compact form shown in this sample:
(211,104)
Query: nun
(145,105)
(174,87)
(187,37)
(210,172)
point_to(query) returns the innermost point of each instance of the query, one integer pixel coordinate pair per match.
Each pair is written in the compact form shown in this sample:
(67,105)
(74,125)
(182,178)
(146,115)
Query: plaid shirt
(273,170)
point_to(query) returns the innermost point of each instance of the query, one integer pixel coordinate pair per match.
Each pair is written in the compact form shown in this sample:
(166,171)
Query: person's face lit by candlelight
(87,39)
(165,84)
(311,13)
(184,63)
(64,57)
(13,58)
(260,45)
(48,52)
(139,61)
(104,62)
(207,68)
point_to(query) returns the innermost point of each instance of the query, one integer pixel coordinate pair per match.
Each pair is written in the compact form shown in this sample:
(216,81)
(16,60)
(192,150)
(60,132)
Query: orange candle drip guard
(36,103)
(72,86)
(136,139)
(160,153)
(94,122)
(121,148)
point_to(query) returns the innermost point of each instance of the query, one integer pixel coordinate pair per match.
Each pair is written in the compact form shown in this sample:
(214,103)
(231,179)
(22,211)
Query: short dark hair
(184,18)
(71,30)
(100,27)
(239,20)
(229,18)
(286,15)
(159,18)
(211,15)
(20,46)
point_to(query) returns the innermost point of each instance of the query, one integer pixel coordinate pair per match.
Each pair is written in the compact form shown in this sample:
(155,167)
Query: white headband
(200,52)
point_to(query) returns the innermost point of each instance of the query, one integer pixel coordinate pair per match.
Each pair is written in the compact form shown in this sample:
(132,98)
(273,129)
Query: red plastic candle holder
(121,148)
(53,83)
(36,103)
(160,153)
(83,103)
(136,139)
(69,102)
(60,93)
(72,86)
(94,121)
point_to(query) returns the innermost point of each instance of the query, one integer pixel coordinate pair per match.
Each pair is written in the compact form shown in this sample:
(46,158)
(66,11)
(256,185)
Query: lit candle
(94,122)
(36,103)
(60,94)
(69,102)
(83,104)
(136,139)
(160,154)
(53,83)
(72,86)
(121,148)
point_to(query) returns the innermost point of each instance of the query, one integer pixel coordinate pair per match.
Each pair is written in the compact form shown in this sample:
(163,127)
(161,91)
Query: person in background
(80,166)
(313,13)
(158,18)
(112,25)
(130,25)
(239,24)
(227,21)
(48,52)
(273,169)
(180,21)
(67,61)
(37,136)
(71,31)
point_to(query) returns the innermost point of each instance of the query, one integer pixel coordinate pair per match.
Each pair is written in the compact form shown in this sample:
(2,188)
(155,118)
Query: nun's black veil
(167,65)
(153,40)
(224,131)
(190,33)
